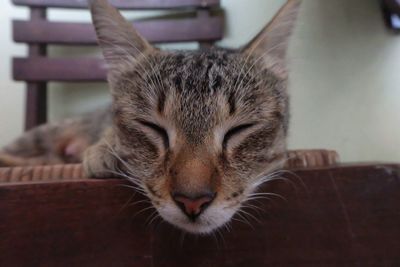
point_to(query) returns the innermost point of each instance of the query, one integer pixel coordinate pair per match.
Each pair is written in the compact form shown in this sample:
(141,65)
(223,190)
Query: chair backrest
(37,69)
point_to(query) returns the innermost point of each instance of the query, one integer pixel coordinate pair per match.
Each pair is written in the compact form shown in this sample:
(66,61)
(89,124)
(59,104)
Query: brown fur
(186,121)
(55,143)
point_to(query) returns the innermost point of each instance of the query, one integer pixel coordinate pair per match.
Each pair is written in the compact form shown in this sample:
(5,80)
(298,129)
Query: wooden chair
(38,69)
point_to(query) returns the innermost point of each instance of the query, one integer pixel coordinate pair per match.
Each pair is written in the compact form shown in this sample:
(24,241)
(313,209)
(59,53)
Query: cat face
(197,131)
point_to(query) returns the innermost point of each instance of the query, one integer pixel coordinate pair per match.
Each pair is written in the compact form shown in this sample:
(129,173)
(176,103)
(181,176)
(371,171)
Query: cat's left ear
(118,39)
(270,45)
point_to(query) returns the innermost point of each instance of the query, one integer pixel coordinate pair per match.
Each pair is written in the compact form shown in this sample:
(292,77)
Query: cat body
(195,131)
(61,142)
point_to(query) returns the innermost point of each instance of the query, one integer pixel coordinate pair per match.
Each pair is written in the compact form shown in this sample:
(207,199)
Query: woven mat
(41,173)
(296,159)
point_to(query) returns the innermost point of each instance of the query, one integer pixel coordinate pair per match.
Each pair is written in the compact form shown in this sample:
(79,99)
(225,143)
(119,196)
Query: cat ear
(119,41)
(272,42)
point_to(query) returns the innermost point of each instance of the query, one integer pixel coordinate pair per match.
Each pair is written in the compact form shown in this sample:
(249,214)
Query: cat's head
(198,130)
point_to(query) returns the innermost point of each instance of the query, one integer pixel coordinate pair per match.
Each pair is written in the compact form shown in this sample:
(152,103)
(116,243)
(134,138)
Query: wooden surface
(59,69)
(36,92)
(122,4)
(337,216)
(156,31)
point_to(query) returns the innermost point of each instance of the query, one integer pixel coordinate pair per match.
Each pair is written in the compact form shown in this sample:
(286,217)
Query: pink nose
(193,207)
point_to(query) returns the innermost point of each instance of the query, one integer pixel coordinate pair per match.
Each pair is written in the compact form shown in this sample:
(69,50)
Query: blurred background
(344,87)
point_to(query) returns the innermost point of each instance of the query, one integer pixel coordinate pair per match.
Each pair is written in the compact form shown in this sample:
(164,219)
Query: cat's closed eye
(157,129)
(234,132)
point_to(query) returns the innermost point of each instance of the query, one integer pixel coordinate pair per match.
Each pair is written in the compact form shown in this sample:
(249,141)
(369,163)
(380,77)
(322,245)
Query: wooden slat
(158,31)
(36,104)
(59,69)
(122,4)
(204,14)
(340,216)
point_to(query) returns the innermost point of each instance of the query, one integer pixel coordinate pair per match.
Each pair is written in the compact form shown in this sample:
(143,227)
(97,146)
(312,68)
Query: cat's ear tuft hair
(118,39)
(272,42)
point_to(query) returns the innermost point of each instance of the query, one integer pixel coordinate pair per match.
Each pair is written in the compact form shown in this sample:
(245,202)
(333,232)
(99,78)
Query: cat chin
(212,219)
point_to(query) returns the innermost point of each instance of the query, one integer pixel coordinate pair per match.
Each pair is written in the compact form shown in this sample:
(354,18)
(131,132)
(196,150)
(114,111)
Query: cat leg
(48,144)
(100,160)
(32,148)
(7,160)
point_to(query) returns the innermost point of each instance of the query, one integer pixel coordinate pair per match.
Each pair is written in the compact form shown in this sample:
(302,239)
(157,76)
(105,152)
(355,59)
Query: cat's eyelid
(161,131)
(150,124)
(237,130)
(243,126)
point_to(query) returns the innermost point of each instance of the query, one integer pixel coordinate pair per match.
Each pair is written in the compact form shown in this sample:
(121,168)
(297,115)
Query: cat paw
(7,160)
(94,164)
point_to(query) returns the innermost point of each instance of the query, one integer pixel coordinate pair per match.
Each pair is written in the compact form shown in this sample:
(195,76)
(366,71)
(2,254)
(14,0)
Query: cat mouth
(213,218)
(195,227)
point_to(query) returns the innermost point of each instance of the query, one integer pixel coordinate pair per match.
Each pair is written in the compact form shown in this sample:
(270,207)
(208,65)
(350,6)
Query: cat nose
(193,206)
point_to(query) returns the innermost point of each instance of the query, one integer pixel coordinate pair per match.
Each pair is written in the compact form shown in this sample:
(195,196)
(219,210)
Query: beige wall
(345,82)
(11,94)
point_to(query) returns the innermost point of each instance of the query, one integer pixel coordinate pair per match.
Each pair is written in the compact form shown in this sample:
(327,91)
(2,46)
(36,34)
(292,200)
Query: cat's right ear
(119,41)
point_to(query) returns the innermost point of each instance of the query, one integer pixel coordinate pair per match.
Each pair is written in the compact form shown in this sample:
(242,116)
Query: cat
(195,131)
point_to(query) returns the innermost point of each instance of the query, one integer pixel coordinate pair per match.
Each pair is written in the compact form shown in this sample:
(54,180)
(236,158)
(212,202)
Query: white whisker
(249,214)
